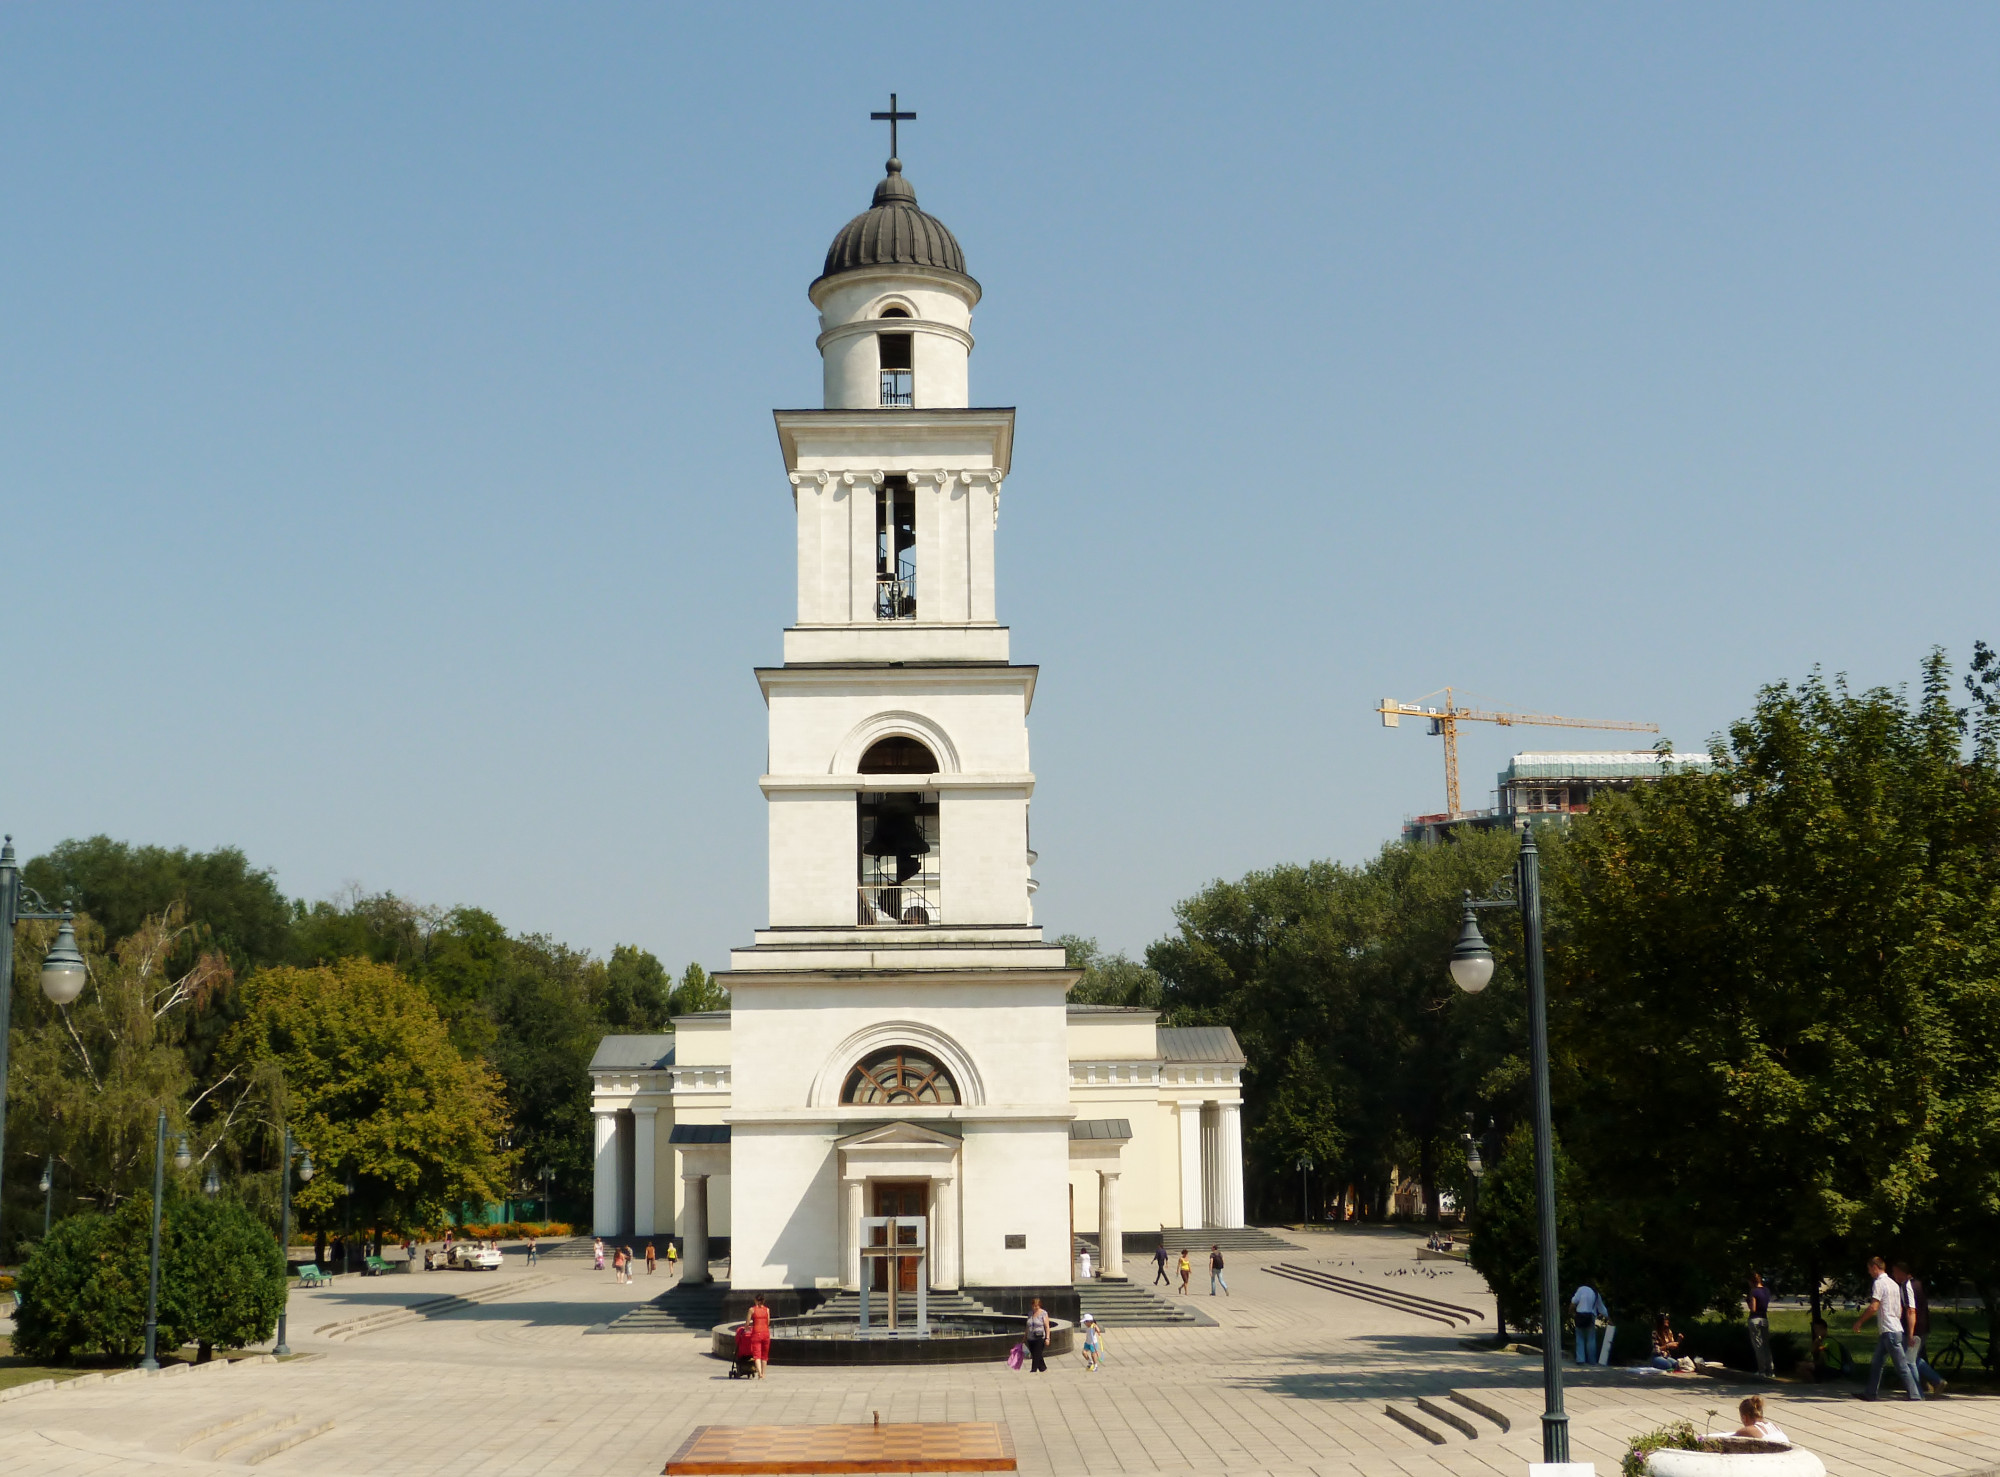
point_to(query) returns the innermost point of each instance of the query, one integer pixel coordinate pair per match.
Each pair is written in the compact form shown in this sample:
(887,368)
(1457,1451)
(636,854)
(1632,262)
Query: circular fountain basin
(959,1339)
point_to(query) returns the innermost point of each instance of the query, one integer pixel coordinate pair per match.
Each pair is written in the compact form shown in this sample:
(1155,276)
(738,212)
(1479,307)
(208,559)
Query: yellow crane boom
(1444,722)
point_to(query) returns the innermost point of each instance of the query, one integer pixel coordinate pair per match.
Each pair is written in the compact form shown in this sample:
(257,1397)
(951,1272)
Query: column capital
(1110,1174)
(691,1175)
(638,1112)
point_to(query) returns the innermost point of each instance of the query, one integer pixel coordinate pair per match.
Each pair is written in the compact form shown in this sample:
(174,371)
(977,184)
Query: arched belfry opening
(895,550)
(898,838)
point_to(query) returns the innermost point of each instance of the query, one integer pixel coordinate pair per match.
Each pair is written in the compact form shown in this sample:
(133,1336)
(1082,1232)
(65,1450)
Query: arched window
(892,311)
(899,1077)
(899,754)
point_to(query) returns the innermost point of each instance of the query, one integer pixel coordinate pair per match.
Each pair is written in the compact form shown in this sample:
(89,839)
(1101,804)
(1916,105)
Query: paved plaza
(1291,1379)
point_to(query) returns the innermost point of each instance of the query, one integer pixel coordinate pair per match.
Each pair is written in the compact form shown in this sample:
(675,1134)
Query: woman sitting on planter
(1751,1408)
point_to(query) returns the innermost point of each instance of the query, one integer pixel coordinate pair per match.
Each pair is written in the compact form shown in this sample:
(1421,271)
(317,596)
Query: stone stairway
(1128,1305)
(1447,1421)
(1242,1240)
(680,1309)
(846,1306)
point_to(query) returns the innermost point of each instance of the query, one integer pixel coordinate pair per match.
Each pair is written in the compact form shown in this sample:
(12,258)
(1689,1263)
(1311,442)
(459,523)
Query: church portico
(899,1051)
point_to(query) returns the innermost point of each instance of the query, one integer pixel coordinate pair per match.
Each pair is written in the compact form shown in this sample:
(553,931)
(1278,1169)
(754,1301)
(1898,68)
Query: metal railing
(910,903)
(898,389)
(896,596)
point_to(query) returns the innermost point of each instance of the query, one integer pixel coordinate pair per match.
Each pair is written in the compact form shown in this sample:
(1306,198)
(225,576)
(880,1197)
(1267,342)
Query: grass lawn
(24,1371)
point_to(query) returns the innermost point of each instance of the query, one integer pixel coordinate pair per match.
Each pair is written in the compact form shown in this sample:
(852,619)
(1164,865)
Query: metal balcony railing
(910,903)
(896,596)
(898,389)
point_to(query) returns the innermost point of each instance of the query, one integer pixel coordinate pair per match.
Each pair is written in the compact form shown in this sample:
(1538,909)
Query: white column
(694,1229)
(850,1220)
(1110,1224)
(1230,1171)
(1190,1120)
(944,1233)
(1211,1164)
(643,1169)
(604,1189)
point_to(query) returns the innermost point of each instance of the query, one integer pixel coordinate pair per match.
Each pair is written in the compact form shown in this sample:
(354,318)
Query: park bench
(313,1277)
(375,1266)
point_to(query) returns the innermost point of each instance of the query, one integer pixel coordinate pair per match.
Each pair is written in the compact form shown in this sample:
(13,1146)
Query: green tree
(637,995)
(1785,970)
(1108,979)
(1507,1237)
(376,1090)
(697,992)
(231,907)
(222,1276)
(93,1075)
(1333,978)
(547,1029)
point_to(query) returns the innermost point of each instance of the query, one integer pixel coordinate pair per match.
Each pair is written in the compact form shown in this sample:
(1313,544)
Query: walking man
(1917,1325)
(1160,1260)
(1589,1308)
(1885,1301)
(1758,1300)
(534,1251)
(1215,1278)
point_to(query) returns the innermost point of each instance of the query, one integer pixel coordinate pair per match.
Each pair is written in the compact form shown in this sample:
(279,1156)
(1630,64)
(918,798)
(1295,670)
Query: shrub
(1679,1436)
(83,1290)
(1727,1341)
(222,1277)
(515,1230)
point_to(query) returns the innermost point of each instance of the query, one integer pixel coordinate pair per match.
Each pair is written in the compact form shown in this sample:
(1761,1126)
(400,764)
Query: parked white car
(471,1256)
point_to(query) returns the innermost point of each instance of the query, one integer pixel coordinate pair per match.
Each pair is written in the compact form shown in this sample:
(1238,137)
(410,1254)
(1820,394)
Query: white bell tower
(900,925)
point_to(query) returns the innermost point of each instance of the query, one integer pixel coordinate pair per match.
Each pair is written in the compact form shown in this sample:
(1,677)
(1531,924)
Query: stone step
(1124,1305)
(1239,1238)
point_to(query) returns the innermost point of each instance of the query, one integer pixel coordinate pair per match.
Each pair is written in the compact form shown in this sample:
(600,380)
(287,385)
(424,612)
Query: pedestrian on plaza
(760,1323)
(1092,1347)
(1758,1300)
(1917,1324)
(1215,1278)
(534,1251)
(1885,1303)
(596,1251)
(1666,1344)
(651,1260)
(1083,1264)
(1160,1266)
(1589,1308)
(1038,1338)
(1751,1409)
(673,1258)
(631,1258)
(1187,1269)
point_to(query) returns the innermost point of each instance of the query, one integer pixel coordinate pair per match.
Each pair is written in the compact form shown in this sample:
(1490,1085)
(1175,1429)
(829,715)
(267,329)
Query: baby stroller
(745,1367)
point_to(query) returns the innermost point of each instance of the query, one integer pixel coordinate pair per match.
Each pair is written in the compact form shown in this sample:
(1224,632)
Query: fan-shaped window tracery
(899,1077)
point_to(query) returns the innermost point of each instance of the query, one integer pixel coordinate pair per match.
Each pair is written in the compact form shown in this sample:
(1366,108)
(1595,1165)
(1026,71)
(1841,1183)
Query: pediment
(901,1134)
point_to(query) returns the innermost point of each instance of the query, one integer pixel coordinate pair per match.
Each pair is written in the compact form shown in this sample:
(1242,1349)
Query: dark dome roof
(893,233)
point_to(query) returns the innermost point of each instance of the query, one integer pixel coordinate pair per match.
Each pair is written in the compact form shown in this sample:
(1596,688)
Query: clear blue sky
(390,489)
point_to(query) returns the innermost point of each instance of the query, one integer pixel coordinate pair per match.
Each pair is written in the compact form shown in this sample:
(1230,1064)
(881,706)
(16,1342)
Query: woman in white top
(1751,1408)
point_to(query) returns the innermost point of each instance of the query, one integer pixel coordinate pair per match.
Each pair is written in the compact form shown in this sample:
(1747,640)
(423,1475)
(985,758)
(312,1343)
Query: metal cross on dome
(892,118)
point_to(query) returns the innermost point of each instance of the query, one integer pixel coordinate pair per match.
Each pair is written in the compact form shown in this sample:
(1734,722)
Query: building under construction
(1540,786)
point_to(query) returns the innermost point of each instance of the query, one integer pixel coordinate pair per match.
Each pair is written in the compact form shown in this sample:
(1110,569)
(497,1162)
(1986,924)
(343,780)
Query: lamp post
(48,1188)
(212,1186)
(181,1161)
(1305,1205)
(63,972)
(548,1205)
(282,1348)
(1471,968)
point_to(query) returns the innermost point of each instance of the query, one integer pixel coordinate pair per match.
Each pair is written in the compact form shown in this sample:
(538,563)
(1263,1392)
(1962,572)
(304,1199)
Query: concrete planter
(1731,1458)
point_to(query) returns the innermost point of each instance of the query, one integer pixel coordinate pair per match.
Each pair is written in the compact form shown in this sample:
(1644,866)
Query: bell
(897,834)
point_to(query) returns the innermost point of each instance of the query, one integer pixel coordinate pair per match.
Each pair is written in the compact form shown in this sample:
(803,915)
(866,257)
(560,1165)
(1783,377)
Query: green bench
(375,1266)
(313,1277)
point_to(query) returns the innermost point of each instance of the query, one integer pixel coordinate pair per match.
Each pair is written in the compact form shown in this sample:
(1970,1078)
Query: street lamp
(48,1188)
(1471,969)
(1305,1205)
(548,1205)
(181,1161)
(63,969)
(1473,1166)
(212,1186)
(282,1348)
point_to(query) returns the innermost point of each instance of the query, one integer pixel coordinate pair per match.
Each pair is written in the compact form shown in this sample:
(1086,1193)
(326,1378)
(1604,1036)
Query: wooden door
(905,1199)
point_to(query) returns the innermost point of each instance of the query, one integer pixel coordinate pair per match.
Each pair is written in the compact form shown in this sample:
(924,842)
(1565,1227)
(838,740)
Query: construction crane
(1444,722)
